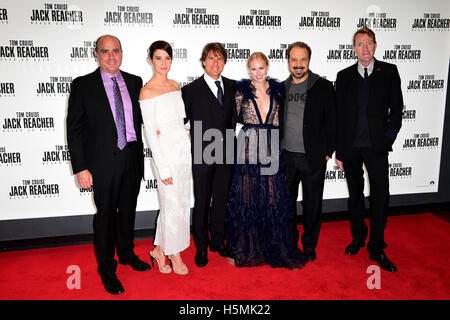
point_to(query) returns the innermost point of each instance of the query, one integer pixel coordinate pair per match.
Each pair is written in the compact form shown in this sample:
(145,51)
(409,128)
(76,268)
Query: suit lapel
(354,88)
(282,108)
(133,95)
(227,98)
(210,96)
(376,72)
(374,81)
(101,96)
(129,84)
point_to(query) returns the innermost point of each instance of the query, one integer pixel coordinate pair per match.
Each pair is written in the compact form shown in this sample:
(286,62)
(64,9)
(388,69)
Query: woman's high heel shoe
(183,270)
(153,256)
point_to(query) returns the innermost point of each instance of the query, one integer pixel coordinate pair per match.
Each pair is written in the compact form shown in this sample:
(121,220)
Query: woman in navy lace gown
(259,222)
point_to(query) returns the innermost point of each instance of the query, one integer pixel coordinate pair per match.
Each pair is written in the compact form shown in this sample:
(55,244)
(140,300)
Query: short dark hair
(367,31)
(159,45)
(106,35)
(299,44)
(217,48)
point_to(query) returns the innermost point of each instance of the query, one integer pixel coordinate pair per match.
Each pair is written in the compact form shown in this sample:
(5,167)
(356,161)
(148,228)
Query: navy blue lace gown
(259,221)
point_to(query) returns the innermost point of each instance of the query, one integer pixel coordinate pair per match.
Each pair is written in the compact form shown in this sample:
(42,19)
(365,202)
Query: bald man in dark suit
(105,143)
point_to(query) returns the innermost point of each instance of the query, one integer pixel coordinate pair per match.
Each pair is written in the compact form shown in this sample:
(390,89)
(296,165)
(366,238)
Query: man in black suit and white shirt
(210,108)
(370,102)
(105,142)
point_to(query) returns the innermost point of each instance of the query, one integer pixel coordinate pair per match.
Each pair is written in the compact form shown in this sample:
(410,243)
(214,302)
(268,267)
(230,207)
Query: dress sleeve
(148,109)
(238,98)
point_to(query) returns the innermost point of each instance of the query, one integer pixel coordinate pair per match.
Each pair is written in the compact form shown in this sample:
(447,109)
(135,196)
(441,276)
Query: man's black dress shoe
(383,260)
(201,258)
(223,250)
(354,247)
(310,253)
(111,283)
(136,264)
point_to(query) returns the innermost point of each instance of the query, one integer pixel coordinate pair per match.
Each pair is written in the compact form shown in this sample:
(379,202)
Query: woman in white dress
(163,114)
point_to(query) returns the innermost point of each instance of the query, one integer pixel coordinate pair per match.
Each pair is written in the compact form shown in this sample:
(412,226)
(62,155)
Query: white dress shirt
(212,84)
(369,68)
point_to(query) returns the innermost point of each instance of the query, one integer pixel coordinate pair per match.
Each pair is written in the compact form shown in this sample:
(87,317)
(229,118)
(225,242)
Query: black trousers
(115,196)
(211,188)
(377,168)
(297,170)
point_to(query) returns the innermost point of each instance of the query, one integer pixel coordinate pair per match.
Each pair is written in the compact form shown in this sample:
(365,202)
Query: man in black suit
(308,128)
(105,143)
(369,117)
(210,108)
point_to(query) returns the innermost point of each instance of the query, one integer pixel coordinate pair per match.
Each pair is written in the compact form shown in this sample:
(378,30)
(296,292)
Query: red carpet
(418,244)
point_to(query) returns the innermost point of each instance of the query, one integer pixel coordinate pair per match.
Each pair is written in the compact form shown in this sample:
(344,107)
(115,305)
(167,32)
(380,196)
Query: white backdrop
(44,45)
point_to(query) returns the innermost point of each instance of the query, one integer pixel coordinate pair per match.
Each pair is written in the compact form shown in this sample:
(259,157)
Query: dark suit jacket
(319,120)
(202,105)
(91,130)
(384,112)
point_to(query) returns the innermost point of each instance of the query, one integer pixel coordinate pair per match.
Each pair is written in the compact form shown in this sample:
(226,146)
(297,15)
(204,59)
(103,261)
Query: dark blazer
(384,112)
(91,130)
(319,120)
(202,105)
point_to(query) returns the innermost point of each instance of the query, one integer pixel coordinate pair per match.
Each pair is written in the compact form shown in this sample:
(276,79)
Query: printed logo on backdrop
(420,141)
(259,19)
(425,83)
(128,16)
(23,50)
(431,184)
(34,188)
(399,171)
(342,53)
(10,158)
(189,79)
(409,114)
(56,86)
(57,14)
(402,53)
(27,122)
(334,175)
(151,185)
(234,53)
(86,192)
(3,16)
(278,54)
(431,22)
(377,21)
(7,90)
(84,52)
(320,20)
(56,155)
(147,154)
(195,18)
(179,53)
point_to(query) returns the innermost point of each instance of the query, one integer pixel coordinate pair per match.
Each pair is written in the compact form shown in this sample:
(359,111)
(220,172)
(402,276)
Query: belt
(130,144)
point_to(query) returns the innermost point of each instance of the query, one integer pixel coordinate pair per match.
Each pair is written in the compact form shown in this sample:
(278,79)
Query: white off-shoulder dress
(170,146)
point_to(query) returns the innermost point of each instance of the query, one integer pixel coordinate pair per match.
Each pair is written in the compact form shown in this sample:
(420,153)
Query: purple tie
(120,116)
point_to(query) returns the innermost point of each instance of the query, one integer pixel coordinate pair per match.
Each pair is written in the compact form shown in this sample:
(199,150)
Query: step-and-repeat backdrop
(44,45)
